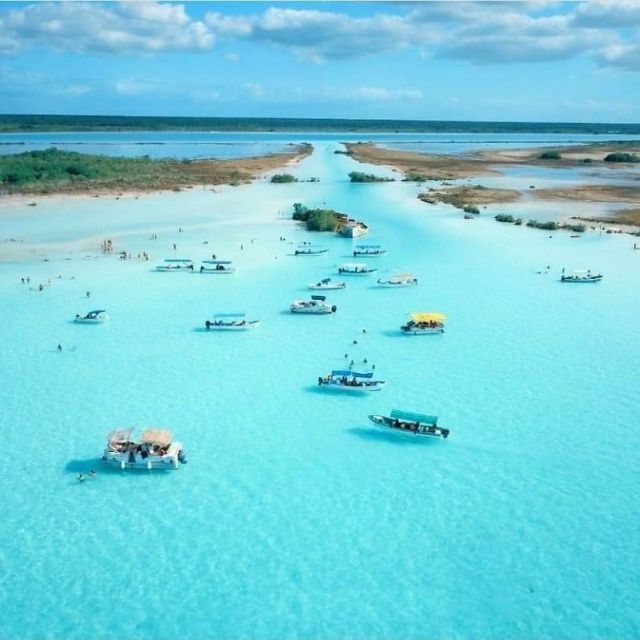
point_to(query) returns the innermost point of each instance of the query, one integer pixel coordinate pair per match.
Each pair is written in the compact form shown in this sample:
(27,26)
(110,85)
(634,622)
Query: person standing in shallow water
(59,347)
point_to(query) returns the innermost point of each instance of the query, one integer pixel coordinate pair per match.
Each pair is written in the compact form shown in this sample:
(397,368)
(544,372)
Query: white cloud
(124,28)
(232,57)
(134,87)
(72,90)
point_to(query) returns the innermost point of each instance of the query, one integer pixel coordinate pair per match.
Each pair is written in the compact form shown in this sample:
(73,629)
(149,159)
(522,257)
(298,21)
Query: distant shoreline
(30,123)
(489,162)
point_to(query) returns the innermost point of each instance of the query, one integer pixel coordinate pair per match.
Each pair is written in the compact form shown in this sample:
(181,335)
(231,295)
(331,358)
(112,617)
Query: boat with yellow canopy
(424,323)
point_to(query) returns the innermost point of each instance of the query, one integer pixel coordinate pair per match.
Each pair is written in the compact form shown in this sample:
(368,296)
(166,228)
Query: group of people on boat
(417,427)
(344,381)
(430,324)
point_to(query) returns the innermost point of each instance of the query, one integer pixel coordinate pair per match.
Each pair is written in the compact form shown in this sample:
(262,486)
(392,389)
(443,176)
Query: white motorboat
(93,317)
(350,381)
(368,251)
(317,305)
(581,275)
(409,423)
(310,250)
(355,269)
(328,283)
(231,322)
(352,228)
(217,267)
(398,280)
(176,264)
(424,323)
(156,449)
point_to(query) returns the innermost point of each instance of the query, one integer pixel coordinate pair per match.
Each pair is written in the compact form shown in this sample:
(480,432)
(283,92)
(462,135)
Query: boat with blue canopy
(231,322)
(411,423)
(368,251)
(93,317)
(351,381)
(176,264)
(217,267)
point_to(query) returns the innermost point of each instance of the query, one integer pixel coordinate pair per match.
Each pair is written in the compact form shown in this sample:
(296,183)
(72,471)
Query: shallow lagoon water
(295,516)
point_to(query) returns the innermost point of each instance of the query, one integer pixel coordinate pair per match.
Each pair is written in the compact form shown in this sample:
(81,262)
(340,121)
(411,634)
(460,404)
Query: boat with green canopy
(411,423)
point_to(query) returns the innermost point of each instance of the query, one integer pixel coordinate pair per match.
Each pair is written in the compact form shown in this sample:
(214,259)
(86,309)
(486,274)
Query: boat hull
(340,285)
(423,431)
(90,321)
(251,324)
(217,272)
(125,460)
(351,389)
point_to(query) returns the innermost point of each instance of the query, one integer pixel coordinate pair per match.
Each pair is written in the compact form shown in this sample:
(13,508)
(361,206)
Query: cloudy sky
(537,60)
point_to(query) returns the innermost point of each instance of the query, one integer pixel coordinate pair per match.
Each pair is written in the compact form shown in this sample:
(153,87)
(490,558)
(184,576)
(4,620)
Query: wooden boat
(355,269)
(413,424)
(231,322)
(350,381)
(424,323)
(368,251)
(310,250)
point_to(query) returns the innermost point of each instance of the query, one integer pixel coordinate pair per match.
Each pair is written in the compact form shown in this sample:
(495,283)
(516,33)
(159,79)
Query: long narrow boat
(581,275)
(350,381)
(231,322)
(176,264)
(156,449)
(327,283)
(310,250)
(355,269)
(410,423)
(398,280)
(424,323)
(217,267)
(93,317)
(368,251)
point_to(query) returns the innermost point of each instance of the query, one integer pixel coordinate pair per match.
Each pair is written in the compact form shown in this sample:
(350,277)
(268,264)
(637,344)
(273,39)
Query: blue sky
(537,60)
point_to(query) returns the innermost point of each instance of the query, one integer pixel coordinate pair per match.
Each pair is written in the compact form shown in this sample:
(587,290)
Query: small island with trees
(359,176)
(318,219)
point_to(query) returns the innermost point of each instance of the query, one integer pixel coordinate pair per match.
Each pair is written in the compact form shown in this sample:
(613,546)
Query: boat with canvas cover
(231,322)
(328,283)
(581,275)
(355,269)
(156,449)
(398,280)
(310,250)
(93,317)
(410,423)
(368,251)
(424,323)
(217,267)
(176,264)
(317,305)
(351,381)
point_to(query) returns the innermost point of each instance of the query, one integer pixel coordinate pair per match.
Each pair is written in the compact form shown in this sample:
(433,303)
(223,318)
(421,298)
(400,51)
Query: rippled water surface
(295,516)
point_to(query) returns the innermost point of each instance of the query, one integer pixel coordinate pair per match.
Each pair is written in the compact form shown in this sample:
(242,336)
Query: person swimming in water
(80,477)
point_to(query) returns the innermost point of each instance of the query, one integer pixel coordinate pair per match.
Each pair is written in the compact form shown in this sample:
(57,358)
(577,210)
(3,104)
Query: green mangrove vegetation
(550,155)
(359,176)
(620,156)
(281,178)
(317,219)
(549,225)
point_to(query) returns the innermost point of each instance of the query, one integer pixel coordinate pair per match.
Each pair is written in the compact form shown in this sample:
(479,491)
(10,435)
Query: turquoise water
(216,144)
(295,517)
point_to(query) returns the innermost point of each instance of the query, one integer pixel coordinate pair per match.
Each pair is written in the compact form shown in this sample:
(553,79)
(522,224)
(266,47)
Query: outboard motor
(182,458)
(333,308)
(207,324)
